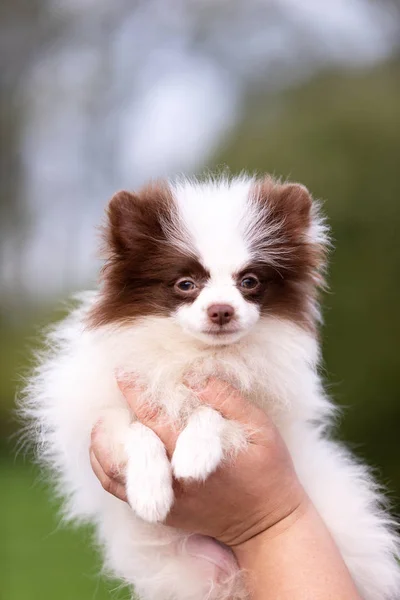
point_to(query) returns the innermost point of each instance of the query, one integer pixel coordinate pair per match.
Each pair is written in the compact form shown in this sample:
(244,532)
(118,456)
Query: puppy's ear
(122,216)
(137,218)
(289,204)
(296,200)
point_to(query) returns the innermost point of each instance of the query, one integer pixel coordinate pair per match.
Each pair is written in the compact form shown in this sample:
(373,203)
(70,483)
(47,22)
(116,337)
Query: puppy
(211,278)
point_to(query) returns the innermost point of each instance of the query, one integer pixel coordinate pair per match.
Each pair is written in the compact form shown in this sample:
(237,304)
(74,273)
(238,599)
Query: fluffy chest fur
(274,366)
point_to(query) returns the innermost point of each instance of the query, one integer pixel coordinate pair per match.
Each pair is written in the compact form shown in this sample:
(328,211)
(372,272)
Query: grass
(39,559)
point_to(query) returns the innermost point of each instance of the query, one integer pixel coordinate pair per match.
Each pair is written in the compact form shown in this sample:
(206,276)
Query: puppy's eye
(249,282)
(185,285)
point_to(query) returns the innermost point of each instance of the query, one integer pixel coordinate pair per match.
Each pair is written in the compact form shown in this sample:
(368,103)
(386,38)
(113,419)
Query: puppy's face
(214,257)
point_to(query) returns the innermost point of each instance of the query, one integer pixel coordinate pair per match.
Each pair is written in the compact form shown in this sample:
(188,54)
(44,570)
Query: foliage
(340,135)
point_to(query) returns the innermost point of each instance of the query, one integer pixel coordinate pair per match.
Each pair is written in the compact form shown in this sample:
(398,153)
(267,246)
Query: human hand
(253,492)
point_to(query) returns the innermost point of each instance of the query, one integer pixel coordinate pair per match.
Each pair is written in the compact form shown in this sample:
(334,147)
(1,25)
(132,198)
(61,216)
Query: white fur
(148,474)
(199,448)
(217,231)
(218,239)
(272,361)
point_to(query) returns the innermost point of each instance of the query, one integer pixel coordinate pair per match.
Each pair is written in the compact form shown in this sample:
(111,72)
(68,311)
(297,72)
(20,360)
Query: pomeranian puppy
(201,278)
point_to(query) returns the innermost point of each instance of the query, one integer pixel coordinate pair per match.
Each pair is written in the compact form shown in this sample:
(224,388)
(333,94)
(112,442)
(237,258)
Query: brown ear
(122,216)
(133,218)
(291,203)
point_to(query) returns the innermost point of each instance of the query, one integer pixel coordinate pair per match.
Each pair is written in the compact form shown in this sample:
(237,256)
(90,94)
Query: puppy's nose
(220,314)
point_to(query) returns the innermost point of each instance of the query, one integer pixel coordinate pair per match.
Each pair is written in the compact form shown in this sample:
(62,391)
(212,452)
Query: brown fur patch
(289,264)
(142,264)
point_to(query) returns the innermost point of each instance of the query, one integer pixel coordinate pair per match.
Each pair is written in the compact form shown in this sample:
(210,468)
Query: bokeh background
(98,95)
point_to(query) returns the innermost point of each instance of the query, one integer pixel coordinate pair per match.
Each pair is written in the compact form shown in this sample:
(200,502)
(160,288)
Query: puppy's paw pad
(194,459)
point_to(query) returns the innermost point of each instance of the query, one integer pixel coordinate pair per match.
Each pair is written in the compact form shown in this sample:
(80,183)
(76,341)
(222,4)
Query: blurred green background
(329,121)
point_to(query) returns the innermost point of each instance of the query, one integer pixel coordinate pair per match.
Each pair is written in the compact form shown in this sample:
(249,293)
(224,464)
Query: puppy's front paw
(148,475)
(196,460)
(199,449)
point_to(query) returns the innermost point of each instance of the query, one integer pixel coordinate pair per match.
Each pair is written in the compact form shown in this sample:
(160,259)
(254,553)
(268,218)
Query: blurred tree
(25,29)
(340,135)
(78,77)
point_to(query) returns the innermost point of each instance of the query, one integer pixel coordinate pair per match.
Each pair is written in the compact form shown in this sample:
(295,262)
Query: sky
(122,96)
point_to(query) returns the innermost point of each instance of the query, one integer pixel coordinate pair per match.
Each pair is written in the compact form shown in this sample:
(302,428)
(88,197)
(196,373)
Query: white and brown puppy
(212,278)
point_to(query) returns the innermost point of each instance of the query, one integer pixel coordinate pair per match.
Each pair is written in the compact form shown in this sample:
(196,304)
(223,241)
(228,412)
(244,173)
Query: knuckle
(147,412)
(110,486)
(225,393)
(107,484)
(217,385)
(109,469)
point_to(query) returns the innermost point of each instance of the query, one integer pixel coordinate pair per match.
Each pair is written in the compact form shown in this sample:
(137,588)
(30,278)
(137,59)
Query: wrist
(265,533)
(296,558)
